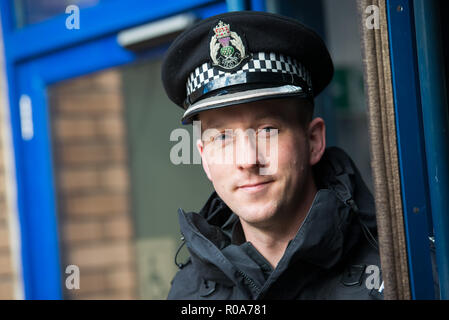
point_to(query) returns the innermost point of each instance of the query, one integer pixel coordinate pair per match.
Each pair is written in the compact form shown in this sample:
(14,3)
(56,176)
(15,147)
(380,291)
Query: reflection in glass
(34,11)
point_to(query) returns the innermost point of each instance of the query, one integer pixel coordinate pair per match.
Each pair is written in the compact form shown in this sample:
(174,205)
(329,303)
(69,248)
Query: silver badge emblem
(226,47)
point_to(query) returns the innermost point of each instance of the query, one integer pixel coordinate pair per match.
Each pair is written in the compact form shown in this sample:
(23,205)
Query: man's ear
(200,147)
(316,134)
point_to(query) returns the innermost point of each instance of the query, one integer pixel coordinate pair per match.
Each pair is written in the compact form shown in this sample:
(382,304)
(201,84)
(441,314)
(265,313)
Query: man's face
(258,198)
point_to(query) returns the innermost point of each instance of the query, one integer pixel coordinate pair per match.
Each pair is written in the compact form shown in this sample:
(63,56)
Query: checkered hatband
(258,63)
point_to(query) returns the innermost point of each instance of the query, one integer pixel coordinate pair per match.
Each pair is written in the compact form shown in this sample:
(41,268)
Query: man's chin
(257,215)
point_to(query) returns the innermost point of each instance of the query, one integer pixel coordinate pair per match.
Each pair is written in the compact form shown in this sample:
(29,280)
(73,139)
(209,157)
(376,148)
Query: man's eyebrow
(217,124)
(268,115)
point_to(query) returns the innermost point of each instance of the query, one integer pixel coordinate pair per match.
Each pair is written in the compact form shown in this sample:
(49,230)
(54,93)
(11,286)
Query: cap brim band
(240,97)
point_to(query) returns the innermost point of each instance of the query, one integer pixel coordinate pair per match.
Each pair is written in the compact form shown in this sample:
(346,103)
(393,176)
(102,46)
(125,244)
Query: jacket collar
(324,238)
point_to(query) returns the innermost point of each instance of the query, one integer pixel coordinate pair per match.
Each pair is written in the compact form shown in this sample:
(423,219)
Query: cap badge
(226,47)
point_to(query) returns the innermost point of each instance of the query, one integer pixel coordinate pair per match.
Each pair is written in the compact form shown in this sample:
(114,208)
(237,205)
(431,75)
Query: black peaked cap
(262,32)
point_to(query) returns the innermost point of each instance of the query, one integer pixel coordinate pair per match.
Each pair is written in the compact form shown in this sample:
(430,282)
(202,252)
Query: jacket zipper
(250,281)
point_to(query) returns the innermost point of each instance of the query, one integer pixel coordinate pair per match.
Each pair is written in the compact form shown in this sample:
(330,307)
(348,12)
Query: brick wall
(92,181)
(10,287)
(6,263)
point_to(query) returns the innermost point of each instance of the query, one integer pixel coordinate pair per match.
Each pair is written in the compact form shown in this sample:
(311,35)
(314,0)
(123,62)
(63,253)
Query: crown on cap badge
(226,47)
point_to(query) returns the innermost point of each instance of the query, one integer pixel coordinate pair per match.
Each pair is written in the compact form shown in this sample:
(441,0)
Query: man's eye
(268,131)
(222,137)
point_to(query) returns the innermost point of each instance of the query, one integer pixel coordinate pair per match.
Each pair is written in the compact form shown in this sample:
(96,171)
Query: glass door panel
(35,11)
(117,190)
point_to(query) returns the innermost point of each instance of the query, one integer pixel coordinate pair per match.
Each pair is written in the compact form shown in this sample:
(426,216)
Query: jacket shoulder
(361,277)
(185,284)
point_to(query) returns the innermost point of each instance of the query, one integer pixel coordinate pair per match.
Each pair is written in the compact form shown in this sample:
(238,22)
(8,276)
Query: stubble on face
(263,201)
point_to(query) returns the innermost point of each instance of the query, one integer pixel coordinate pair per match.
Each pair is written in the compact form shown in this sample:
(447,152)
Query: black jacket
(327,259)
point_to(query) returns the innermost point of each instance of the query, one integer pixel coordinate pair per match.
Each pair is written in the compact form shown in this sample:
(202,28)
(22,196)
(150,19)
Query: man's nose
(246,152)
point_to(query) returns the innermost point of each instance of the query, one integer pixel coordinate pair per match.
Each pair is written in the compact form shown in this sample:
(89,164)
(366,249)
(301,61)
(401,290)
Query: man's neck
(272,242)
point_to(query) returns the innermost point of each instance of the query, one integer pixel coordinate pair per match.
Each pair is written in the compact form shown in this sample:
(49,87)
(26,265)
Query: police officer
(289,219)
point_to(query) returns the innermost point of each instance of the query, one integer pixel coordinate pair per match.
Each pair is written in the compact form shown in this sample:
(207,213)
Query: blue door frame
(53,53)
(422,123)
(411,151)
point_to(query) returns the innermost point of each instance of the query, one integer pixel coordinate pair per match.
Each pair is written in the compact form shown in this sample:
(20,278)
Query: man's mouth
(255,187)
